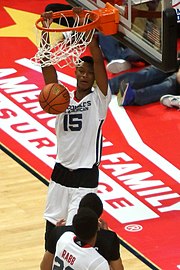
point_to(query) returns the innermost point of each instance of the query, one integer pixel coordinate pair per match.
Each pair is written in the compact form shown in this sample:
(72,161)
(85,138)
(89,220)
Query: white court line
(135,141)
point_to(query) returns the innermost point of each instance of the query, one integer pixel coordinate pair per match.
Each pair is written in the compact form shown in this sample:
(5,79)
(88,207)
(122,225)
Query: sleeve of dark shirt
(115,248)
(107,244)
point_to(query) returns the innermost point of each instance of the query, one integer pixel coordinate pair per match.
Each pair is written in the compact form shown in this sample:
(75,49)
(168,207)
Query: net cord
(66,51)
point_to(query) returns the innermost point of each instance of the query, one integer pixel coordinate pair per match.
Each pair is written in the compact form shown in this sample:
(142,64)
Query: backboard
(149,27)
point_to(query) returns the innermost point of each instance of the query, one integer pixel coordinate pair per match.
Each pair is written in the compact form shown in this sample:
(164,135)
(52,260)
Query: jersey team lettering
(81,107)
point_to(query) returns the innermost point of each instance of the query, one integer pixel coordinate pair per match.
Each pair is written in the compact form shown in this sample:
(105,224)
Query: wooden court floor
(22,203)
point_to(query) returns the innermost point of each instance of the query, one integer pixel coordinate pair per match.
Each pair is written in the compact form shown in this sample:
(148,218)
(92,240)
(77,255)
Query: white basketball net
(65,50)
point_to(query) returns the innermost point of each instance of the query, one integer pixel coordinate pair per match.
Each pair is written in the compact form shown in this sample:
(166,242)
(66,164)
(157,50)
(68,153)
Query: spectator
(76,250)
(145,86)
(118,56)
(172,101)
(107,242)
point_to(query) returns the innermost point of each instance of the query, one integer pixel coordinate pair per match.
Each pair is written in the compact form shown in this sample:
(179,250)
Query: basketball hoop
(67,44)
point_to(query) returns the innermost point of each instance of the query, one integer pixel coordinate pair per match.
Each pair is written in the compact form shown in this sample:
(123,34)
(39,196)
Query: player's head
(92,201)
(88,59)
(85,73)
(85,224)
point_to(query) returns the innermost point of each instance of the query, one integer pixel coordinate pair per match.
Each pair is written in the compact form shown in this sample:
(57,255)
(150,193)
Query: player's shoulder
(106,233)
(66,237)
(68,234)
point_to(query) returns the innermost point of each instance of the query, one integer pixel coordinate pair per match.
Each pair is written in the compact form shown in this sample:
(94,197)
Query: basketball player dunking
(79,136)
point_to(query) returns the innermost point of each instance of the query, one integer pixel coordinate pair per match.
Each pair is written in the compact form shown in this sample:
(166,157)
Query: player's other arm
(115,258)
(47,261)
(99,67)
(116,264)
(49,72)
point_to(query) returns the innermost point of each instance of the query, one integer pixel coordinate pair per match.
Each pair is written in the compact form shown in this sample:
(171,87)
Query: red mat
(139,179)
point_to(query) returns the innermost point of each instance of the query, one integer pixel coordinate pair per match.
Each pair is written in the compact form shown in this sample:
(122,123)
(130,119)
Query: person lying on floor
(145,86)
(172,101)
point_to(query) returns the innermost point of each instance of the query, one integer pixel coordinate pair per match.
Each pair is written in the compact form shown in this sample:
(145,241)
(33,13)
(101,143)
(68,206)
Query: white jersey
(78,130)
(69,254)
(176,6)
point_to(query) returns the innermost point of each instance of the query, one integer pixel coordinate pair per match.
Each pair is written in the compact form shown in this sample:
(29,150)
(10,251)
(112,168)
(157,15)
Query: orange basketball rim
(73,41)
(105,19)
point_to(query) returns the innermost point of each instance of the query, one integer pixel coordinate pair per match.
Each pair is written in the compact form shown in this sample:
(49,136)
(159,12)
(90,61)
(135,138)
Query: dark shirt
(107,242)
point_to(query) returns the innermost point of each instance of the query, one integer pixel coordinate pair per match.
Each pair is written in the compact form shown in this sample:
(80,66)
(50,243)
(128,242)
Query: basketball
(54,98)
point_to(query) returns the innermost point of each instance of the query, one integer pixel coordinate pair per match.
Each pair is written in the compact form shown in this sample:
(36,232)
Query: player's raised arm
(99,67)
(49,72)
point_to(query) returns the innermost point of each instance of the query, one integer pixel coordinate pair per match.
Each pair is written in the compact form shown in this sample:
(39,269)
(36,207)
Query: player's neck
(90,243)
(80,94)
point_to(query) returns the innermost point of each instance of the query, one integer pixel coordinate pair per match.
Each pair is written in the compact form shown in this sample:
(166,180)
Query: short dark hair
(87,59)
(85,224)
(92,201)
